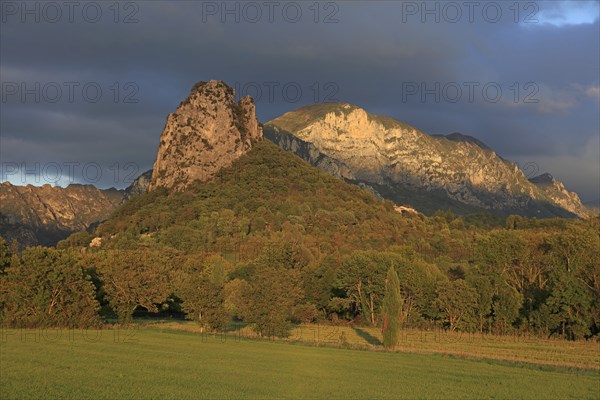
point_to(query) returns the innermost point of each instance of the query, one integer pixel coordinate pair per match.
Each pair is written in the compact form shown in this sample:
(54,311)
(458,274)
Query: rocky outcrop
(409,166)
(555,190)
(44,215)
(138,186)
(459,137)
(405,210)
(208,131)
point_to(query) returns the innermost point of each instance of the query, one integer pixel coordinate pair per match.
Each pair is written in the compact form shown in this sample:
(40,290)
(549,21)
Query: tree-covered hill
(269,196)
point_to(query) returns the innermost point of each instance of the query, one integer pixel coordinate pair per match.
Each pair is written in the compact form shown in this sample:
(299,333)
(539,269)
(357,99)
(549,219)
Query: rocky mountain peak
(138,186)
(208,131)
(409,166)
(545,178)
(558,194)
(459,137)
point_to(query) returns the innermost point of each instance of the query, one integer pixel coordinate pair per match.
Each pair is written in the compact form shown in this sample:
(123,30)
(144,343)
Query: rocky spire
(208,131)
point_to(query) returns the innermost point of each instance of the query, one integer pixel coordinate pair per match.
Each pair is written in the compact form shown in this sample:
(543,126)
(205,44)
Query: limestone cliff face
(208,131)
(43,215)
(409,166)
(558,194)
(138,186)
(309,152)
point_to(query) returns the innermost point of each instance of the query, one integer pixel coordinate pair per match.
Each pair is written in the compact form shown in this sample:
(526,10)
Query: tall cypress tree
(391,309)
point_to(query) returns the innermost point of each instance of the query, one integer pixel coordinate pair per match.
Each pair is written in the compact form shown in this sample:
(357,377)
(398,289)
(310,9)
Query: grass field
(521,349)
(154,363)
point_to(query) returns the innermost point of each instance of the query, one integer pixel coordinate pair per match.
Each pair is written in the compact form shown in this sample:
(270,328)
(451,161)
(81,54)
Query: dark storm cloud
(371,57)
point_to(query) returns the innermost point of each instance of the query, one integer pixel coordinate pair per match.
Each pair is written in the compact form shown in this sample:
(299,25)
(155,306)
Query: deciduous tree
(48,287)
(457,302)
(273,294)
(134,278)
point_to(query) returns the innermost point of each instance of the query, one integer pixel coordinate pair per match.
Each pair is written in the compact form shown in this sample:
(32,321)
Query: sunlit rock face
(208,131)
(138,186)
(411,167)
(558,194)
(34,215)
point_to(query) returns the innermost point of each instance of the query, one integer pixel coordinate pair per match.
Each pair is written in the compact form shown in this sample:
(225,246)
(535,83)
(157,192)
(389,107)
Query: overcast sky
(86,87)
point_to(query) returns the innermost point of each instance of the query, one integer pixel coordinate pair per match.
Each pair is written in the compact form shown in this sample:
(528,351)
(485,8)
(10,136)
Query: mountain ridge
(408,164)
(43,215)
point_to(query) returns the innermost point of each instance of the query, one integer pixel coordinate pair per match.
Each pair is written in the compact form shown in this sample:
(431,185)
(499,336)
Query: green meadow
(165,363)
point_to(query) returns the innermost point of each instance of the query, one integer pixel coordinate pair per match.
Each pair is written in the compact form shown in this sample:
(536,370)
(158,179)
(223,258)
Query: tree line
(529,280)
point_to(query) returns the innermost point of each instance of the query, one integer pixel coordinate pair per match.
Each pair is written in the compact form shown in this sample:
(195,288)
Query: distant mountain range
(43,215)
(210,130)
